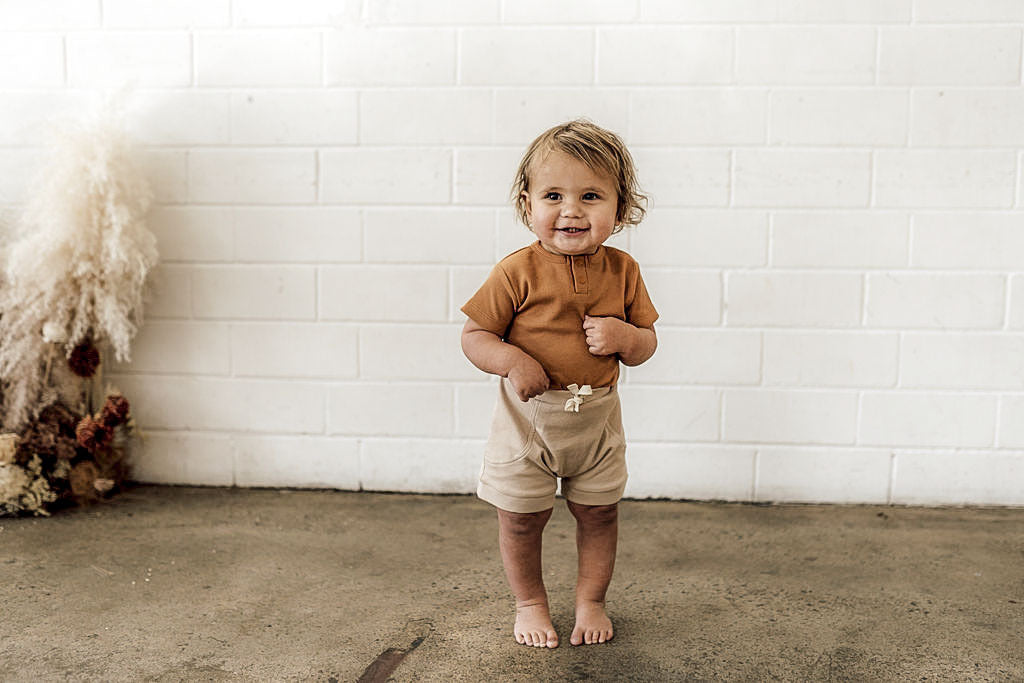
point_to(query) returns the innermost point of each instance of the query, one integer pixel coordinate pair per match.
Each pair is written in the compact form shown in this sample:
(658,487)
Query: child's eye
(552,195)
(591,196)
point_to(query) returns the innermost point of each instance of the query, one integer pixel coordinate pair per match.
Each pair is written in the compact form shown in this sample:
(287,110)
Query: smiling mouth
(572,231)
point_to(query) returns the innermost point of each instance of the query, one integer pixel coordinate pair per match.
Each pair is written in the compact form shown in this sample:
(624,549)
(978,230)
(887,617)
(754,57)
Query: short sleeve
(640,311)
(494,304)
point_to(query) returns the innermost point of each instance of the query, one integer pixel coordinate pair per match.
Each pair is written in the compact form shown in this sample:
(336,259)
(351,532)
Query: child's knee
(594,515)
(523,523)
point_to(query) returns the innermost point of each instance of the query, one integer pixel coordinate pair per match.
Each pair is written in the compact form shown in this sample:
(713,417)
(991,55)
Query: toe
(552,639)
(575,638)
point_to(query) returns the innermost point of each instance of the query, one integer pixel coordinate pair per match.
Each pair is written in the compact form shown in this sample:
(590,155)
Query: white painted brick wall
(831,359)
(795,417)
(135,14)
(254,292)
(816,475)
(521,112)
(784,178)
(924,300)
(258,58)
(294,117)
(698,472)
(108,59)
(684,237)
(806,55)
(788,299)
(703,116)
(167,172)
(388,176)
(965,240)
(949,55)
(312,13)
(685,177)
(391,410)
(526,56)
(946,179)
(982,118)
(839,240)
(915,418)
(31,60)
(285,349)
(839,118)
(374,57)
(444,12)
(985,11)
(50,14)
(835,235)
(252,176)
(659,55)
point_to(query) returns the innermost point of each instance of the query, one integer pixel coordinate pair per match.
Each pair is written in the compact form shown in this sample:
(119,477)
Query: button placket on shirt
(580,281)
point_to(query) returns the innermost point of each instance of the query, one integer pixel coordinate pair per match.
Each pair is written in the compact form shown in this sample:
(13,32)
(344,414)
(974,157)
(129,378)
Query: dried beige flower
(24,489)
(8,448)
(54,333)
(79,266)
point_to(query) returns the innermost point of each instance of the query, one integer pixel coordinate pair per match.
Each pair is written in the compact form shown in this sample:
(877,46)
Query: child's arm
(485,350)
(606,336)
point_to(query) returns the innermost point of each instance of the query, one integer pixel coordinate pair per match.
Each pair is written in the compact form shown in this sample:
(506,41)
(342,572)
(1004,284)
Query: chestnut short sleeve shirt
(536,300)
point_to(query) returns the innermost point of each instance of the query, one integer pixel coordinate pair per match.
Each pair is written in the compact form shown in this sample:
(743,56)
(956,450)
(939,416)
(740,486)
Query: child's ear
(528,209)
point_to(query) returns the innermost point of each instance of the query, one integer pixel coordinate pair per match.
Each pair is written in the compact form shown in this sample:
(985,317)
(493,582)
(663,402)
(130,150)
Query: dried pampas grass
(79,263)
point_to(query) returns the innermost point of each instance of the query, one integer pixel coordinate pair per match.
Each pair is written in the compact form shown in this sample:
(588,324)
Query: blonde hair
(601,150)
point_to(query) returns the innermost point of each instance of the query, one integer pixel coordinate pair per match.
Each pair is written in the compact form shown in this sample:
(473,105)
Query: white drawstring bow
(578,392)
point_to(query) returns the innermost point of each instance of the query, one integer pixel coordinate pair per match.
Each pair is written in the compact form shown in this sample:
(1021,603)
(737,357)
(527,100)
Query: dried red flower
(84,359)
(115,410)
(92,435)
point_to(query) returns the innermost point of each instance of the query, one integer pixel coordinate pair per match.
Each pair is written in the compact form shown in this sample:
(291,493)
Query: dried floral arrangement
(73,283)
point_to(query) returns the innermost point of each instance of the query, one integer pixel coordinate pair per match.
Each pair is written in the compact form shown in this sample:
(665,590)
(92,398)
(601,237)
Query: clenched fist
(605,336)
(528,378)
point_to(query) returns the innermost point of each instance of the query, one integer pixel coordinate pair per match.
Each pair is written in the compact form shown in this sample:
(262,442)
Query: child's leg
(597,533)
(519,538)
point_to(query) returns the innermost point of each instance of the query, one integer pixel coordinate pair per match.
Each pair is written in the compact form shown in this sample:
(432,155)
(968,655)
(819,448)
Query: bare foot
(592,624)
(534,627)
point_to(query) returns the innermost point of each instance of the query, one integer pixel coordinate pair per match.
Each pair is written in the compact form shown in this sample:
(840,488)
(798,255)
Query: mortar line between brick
(323,59)
(458,57)
(194,70)
(755,485)
(1007,292)
(999,422)
(892,478)
(878,55)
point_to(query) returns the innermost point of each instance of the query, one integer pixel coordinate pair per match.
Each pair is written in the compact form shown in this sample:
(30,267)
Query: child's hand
(528,379)
(605,336)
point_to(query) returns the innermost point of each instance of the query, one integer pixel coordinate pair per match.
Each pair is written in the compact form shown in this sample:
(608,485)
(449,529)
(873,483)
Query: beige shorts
(532,444)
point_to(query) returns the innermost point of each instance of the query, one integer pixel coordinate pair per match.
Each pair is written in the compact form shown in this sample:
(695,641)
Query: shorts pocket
(512,434)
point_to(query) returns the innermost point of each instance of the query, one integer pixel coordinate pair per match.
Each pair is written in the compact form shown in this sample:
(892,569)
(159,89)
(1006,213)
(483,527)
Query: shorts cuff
(514,503)
(595,497)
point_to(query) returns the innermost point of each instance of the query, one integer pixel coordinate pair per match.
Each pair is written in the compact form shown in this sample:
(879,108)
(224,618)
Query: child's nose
(570,209)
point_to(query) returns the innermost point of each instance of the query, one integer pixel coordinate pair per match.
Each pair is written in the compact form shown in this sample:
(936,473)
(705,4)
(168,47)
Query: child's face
(571,207)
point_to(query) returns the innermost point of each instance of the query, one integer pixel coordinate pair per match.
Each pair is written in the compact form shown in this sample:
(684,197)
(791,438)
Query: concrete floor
(169,584)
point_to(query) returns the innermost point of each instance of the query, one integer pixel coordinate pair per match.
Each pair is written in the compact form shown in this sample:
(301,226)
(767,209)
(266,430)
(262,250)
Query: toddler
(553,320)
